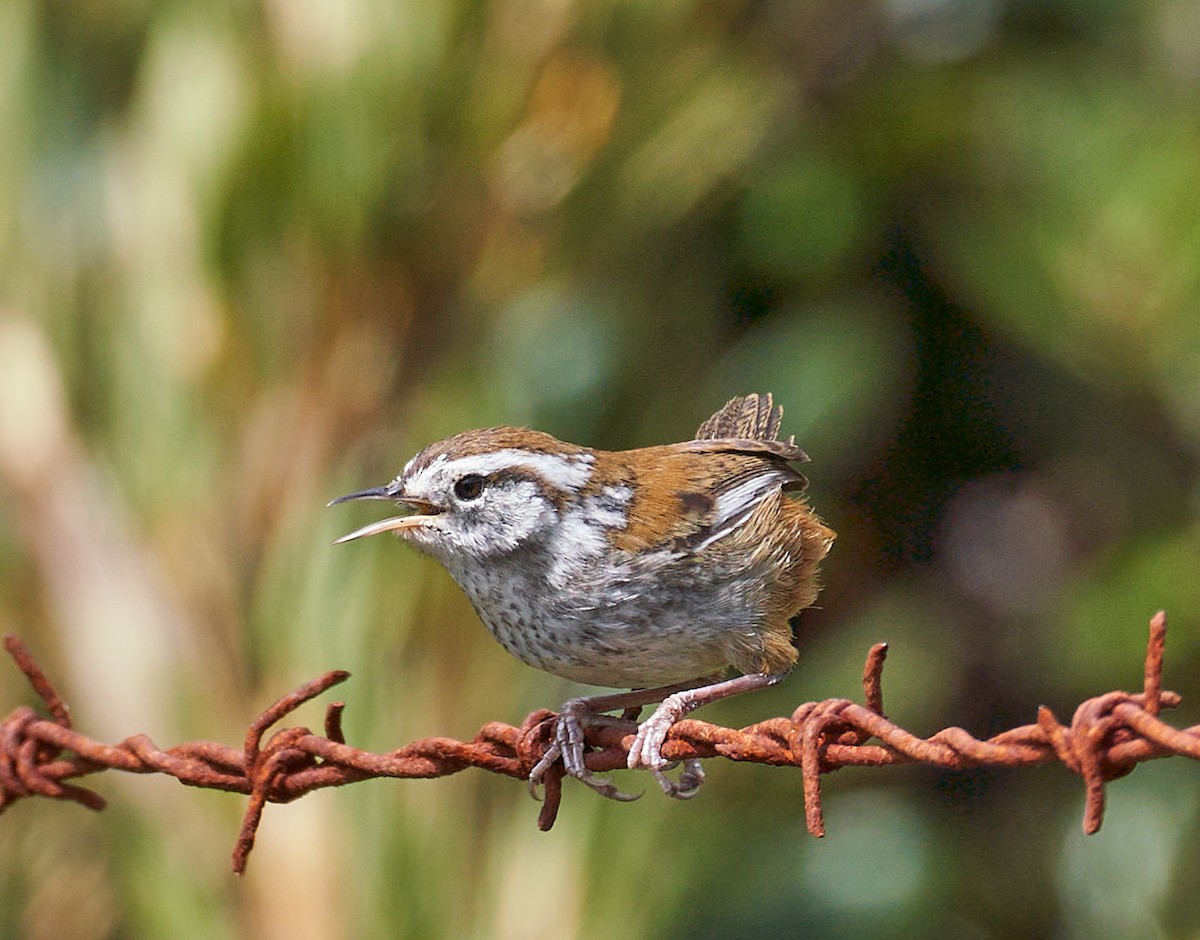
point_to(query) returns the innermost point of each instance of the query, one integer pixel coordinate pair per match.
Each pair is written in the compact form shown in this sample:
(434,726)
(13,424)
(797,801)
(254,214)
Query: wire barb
(1107,737)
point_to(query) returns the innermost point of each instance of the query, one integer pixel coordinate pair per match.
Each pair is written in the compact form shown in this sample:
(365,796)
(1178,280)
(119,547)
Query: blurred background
(255,255)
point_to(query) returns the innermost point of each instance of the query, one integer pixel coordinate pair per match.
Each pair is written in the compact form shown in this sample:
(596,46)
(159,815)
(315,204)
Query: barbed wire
(1107,737)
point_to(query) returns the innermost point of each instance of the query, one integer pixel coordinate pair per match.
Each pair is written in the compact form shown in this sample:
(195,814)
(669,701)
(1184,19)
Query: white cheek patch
(496,524)
(510,516)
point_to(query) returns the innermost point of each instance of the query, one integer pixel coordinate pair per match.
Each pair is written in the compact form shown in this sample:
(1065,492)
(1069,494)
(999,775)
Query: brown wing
(691,494)
(688,500)
(746,427)
(749,514)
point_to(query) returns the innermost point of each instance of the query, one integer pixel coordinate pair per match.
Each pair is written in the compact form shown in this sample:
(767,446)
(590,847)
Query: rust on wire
(1107,737)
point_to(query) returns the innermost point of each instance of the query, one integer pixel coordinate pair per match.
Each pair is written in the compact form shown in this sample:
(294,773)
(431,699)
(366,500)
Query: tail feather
(747,418)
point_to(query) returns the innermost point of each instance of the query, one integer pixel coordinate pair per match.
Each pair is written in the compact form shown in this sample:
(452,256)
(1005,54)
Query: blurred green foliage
(253,255)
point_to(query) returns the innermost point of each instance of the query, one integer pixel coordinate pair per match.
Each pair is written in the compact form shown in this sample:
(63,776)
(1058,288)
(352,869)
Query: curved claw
(646,751)
(693,774)
(602,785)
(607,789)
(539,770)
(689,781)
(568,746)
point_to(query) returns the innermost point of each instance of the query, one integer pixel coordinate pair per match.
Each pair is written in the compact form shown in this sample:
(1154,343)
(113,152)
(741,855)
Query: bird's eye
(469,487)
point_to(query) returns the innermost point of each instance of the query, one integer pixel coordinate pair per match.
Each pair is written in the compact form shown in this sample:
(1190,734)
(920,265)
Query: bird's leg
(647,746)
(579,713)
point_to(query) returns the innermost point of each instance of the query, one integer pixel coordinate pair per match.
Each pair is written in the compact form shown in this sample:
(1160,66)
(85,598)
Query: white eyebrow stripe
(559,470)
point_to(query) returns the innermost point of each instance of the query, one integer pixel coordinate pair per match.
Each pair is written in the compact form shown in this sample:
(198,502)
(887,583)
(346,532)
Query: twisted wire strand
(1108,736)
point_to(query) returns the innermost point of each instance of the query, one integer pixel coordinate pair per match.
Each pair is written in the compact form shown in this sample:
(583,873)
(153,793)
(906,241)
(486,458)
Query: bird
(674,571)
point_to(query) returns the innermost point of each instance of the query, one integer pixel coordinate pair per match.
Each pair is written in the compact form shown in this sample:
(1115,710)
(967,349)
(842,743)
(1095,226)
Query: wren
(656,570)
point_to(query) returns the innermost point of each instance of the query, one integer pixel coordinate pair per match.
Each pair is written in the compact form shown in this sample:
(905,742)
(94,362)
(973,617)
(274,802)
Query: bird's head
(481,494)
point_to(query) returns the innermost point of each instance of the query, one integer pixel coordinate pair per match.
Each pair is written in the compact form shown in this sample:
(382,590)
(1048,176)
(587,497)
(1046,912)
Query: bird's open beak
(424,512)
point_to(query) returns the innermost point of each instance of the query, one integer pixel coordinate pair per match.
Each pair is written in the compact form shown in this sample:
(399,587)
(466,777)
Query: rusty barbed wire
(1107,737)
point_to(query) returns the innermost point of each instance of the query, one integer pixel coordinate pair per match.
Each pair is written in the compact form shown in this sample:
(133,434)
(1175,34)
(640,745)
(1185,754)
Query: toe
(608,790)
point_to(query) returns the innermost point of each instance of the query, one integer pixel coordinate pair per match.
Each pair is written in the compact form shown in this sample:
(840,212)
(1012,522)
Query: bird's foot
(569,746)
(646,750)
